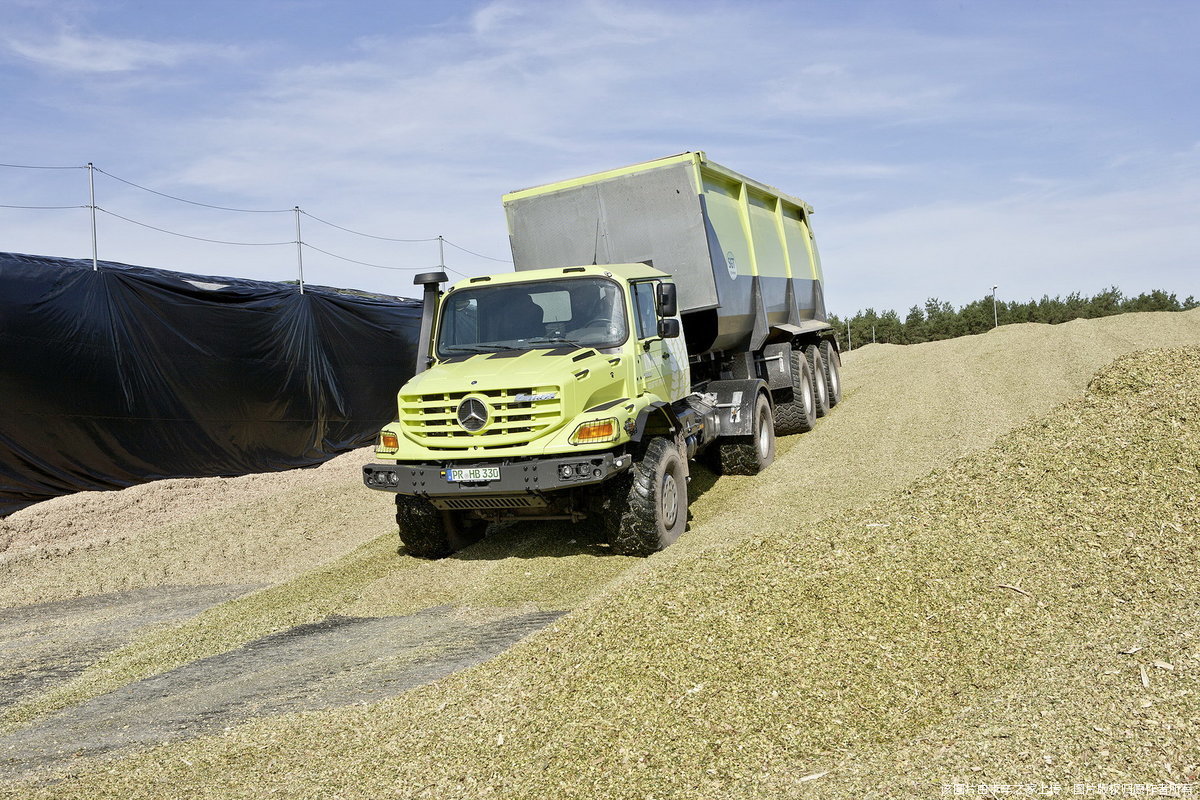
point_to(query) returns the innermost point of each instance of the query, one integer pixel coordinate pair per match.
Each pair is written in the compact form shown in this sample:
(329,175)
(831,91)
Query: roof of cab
(623,271)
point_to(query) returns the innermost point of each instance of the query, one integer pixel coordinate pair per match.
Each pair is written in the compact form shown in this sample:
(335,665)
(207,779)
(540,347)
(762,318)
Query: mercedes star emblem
(472,414)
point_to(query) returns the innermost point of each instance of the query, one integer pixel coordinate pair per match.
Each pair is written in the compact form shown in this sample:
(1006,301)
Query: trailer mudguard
(735,404)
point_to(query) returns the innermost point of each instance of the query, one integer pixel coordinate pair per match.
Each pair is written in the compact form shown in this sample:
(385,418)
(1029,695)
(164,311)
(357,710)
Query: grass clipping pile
(1027,615)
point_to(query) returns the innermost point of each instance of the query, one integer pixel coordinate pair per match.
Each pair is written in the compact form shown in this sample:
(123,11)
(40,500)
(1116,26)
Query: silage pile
(1027,614)
(247,530)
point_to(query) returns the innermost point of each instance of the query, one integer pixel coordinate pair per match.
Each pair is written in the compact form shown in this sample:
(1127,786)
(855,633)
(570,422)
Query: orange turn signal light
(389,441)
(604,430)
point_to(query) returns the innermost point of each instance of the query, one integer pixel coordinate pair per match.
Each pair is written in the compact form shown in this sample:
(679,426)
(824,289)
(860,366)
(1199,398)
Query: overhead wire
(472,252)
(247,211)
(215,241)
(39,166)
(196,202)
(266,244)
(360,233)
(368,264)
(42,207)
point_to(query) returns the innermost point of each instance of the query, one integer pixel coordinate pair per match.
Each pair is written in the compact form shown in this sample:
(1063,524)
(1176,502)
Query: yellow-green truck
(657,313)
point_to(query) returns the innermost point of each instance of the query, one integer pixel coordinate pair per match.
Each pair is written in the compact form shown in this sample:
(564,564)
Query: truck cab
(534,386)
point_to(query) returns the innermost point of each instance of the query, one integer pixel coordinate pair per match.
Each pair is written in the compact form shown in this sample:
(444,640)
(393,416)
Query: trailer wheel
(816,368)
(423,530)
(799,414)
(646,509)
(750,455)
(833,372)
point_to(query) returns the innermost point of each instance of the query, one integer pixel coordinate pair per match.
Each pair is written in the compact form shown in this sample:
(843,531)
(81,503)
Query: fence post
(299,250)
(92,206)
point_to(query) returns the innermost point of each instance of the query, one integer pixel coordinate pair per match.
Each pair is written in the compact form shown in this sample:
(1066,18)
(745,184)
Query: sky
(947,147)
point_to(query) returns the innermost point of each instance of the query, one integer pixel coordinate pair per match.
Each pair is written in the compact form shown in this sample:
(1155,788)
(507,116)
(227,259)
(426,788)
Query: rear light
(389,442)
(605,430)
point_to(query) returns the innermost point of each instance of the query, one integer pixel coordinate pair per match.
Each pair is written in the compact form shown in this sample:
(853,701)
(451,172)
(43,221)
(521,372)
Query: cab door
(662,363)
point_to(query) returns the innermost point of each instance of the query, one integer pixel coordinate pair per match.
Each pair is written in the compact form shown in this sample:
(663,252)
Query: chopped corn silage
(907,410)
(978,623)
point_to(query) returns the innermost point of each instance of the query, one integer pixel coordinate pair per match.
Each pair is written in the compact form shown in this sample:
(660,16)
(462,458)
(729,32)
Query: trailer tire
(423,531)
(750,455)
(799,414)
(646,508)
(833,372)
(816,368)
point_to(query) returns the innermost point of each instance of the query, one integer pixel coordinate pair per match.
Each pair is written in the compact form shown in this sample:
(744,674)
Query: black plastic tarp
(127,374)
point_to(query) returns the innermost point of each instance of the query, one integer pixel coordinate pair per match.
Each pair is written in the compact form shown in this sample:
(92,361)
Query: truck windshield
(583,311)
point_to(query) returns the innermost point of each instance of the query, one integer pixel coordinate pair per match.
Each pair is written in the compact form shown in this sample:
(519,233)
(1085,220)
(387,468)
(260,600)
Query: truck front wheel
(429,533)
(646,509)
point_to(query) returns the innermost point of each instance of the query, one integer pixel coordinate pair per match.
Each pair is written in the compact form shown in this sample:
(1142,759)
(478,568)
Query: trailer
(658,313)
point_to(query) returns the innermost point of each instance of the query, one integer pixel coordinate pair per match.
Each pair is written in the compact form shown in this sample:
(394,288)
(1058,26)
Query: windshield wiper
(552,340)
(480,348)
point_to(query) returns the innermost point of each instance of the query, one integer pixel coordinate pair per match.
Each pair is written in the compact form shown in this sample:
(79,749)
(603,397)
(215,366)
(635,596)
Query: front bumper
(517,477)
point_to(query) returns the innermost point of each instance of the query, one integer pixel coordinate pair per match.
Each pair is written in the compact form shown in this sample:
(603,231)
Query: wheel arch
(656,419)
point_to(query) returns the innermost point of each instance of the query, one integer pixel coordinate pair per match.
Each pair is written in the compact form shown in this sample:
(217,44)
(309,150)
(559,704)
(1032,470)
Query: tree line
(938,320)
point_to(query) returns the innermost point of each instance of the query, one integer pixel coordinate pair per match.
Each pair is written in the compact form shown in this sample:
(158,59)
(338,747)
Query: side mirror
(668,328)
(668,302)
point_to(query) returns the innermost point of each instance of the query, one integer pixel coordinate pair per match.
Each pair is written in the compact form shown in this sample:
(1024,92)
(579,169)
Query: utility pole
(92,199)
(299,250)
(995,316)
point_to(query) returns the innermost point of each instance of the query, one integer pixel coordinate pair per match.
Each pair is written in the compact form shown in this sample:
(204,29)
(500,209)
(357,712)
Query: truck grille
(432,419)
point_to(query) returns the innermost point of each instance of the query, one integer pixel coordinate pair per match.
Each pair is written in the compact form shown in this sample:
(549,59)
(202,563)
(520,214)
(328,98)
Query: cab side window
(645,310)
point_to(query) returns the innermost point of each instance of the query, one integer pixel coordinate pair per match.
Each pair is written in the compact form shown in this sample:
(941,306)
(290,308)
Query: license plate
(468,474)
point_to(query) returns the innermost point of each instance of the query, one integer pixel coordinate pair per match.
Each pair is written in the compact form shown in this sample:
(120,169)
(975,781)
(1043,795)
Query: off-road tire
(422,530)
(816,368)
(799,414)
(644,509)
(833,372)
(750,455)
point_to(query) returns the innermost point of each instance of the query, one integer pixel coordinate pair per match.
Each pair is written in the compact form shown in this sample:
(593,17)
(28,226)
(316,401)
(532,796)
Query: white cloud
(552,84)
(73,52)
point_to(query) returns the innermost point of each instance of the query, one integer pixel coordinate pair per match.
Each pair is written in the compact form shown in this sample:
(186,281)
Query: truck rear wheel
(816,368)
(750,455)
(646,508)
(429,533)
(799,414)
(833,372)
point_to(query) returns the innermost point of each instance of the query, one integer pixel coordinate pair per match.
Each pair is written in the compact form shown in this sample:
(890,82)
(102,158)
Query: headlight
(605,430)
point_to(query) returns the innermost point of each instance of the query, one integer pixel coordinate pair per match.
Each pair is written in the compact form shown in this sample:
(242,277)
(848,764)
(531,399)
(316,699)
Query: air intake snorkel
(431,281)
